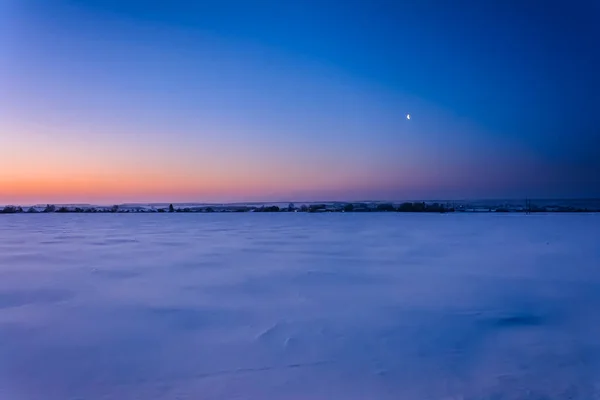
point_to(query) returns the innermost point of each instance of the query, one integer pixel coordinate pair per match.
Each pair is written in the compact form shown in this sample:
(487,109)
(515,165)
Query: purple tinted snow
(300,306)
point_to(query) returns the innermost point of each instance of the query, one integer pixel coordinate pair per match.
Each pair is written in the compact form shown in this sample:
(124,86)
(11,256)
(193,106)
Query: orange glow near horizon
(131,187)
(37,168)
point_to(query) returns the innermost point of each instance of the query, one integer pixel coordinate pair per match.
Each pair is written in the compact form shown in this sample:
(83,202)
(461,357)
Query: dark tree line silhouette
(412,207)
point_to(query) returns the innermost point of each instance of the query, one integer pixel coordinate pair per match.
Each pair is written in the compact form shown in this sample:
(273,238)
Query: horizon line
(157,203)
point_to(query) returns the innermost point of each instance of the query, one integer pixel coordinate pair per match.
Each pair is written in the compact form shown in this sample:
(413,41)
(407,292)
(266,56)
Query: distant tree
(349,207)
(291,207)
(416,207)
(304,208)
(271,209)
(50,208)
(209,210)
(62,210)
(316,207)
(405,207)
(114,209)
(420,207)
(361,207)
(9,210)
(171,208)
(19,209)
(436,207)
(385,207)
(161,210)
(32,210)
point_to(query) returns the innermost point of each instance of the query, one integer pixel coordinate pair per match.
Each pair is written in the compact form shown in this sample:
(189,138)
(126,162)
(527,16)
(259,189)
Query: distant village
(526,206)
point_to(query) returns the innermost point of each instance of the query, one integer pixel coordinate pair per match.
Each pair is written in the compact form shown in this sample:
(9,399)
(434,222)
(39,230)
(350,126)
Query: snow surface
(299,306)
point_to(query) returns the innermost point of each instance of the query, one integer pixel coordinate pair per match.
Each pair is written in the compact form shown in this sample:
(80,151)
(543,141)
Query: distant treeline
(311,208)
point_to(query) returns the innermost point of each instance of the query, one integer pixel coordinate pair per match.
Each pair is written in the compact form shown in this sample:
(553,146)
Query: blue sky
(269,100)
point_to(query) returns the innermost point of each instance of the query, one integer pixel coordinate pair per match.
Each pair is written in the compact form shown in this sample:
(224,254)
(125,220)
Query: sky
(110,101)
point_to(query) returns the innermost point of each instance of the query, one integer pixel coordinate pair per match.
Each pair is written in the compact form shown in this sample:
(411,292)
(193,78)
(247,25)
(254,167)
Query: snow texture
(300,306)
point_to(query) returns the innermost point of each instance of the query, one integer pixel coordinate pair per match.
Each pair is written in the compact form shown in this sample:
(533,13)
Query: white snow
(299,306)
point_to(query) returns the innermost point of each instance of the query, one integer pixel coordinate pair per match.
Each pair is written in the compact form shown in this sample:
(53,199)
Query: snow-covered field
(299,306)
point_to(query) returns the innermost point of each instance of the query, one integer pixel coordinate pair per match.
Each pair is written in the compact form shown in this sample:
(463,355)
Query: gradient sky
(107,101)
